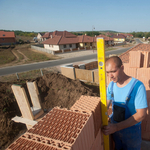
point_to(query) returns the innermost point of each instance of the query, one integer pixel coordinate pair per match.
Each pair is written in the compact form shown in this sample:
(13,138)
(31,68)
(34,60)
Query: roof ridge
(59,39)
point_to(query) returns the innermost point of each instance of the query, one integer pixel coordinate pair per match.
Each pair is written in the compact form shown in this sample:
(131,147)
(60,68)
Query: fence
(43,49)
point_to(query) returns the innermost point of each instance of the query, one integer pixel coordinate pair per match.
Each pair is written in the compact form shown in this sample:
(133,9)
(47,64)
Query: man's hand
(111,128)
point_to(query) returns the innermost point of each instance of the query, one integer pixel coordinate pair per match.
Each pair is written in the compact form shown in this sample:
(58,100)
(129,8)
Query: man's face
(113,71)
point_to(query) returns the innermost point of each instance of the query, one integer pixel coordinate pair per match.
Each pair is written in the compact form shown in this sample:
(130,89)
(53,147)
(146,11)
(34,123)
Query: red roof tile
(59,33)
(119,36)
(85,38)
(4,34)
(106,38)
(59,40)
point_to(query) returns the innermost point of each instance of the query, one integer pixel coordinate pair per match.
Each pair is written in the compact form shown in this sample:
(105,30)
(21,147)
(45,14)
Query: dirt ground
(55,90)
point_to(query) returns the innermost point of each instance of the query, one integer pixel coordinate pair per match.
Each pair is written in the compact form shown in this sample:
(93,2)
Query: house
(7,38)
(57,43)
(108,40)
(130,36)
(109,34)
(119,38)
(63,40)
(39,36)
(86,41)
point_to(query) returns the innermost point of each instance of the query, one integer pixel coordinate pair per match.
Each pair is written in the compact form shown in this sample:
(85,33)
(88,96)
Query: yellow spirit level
(102,86)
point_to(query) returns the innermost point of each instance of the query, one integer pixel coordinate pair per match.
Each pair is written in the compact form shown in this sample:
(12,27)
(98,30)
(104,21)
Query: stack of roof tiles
(62,129)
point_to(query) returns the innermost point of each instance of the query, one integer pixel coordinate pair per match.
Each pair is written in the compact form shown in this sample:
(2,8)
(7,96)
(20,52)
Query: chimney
(51,36)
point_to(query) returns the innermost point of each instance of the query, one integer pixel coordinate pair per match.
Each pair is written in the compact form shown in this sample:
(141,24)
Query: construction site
(62,111)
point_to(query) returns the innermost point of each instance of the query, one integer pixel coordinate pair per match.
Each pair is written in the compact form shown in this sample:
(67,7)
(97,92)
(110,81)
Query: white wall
(68,46)
(52,47)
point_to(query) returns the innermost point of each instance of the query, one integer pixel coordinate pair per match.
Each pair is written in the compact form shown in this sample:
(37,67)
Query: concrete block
(90,105)
(146,59)
(98,143)
(68,72)
(82,66)
(22,101)
(24,143)
(67,126)
(96,76)
(130,71)
(143,74)
(135,59)
(24,120)
(83,74)
(34,94)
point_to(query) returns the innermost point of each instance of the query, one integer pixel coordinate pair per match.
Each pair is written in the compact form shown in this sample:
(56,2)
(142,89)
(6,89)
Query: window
(85,44)
(64,46)
(70,45)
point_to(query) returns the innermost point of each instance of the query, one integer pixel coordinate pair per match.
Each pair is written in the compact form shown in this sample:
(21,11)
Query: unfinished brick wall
(91,65)
(139,67)
(130,71)
(90,105)
(60,129)
(135,59)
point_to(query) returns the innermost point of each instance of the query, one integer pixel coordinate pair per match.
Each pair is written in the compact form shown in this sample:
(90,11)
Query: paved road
(138,41)
(33,66)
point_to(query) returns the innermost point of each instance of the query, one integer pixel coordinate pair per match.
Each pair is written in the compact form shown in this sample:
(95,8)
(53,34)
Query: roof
(4,34)
(41,33)
(60,40)
(59,33)
(109,34)
(106,38)
(84,39)
(142,47)
(128,34)
(119,36)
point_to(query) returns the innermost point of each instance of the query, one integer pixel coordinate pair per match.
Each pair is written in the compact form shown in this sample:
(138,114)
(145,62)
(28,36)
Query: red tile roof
(59,40)
(59,33)
(106,38)
(119,36)
(4,34)
(140,47)
(85,38)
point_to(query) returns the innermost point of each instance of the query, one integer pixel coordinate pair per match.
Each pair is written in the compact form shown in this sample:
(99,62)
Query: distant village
(66,41)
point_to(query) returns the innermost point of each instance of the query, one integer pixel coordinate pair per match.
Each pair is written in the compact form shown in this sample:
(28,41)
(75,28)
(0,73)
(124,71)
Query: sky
(75,15)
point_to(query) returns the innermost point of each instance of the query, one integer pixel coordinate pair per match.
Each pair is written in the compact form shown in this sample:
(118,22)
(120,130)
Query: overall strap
(112,94)
(127,98)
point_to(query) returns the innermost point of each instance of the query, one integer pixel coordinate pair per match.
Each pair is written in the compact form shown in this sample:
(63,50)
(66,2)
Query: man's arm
(134,119)
(108,104)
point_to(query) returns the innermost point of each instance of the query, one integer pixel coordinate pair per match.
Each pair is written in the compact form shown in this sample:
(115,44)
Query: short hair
(116,60)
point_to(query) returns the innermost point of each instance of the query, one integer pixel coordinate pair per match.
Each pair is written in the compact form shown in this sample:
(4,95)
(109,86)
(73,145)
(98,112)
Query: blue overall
(129,138)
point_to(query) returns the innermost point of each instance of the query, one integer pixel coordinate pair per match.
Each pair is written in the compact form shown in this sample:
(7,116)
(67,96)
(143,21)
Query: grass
(34,56)
(6,56)
(26,75)
(19,55)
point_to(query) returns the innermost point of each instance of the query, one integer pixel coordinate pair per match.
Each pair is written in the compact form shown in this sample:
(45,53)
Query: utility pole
(92,34)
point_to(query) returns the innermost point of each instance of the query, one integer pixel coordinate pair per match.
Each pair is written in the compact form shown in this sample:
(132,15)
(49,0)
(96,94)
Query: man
(129,103)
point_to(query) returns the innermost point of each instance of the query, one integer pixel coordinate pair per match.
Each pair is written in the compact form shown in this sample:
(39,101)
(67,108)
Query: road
(46,64)
(39,65)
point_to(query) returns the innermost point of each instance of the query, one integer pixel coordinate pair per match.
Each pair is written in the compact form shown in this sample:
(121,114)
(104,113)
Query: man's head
(114,68)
